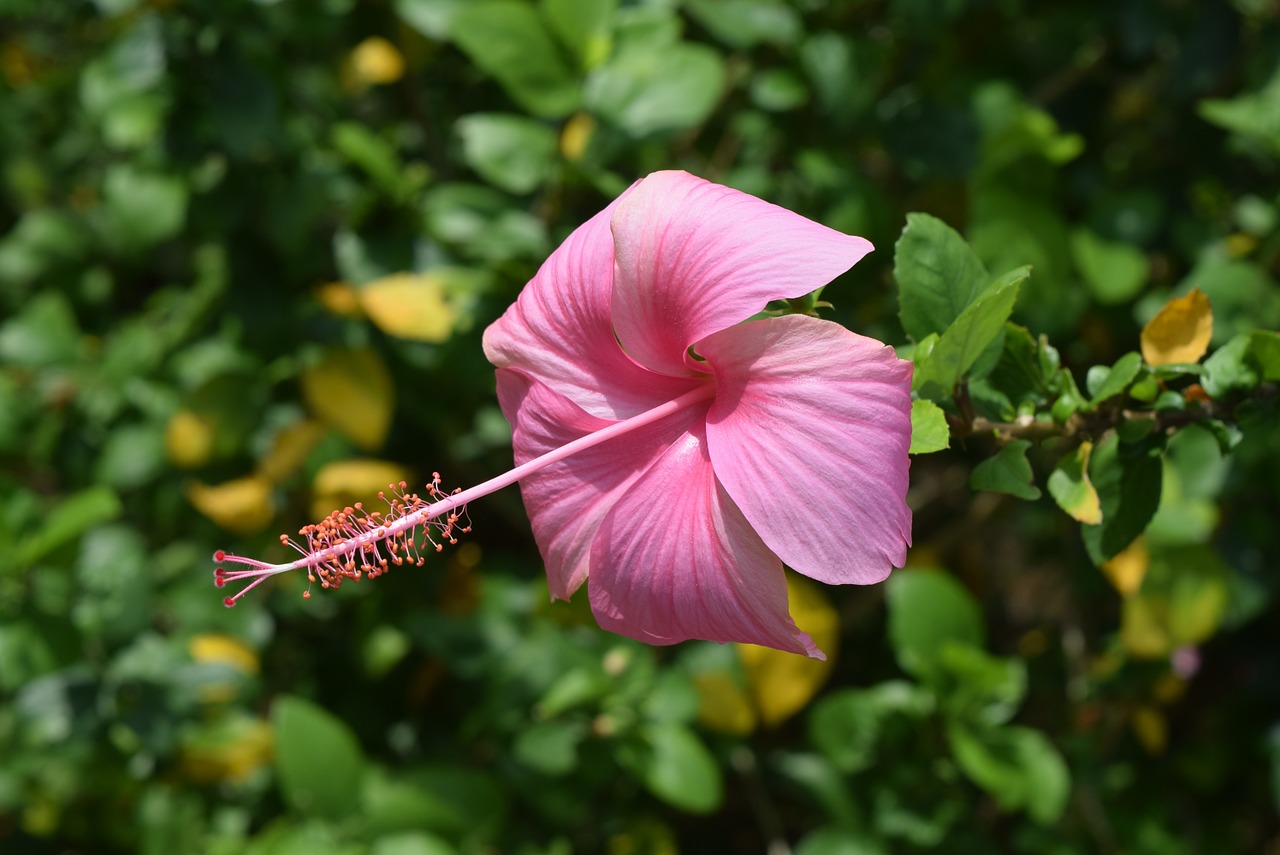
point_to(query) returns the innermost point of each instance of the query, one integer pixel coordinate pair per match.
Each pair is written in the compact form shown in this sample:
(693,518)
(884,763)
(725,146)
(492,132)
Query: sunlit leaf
(410,306)
(1126,570)
(779,683)
(927,610)
(225,650)
(1180,332)
(376,61)
(508,40)
(675,765)
(289,449)
(929,431)
(345,482)
(1070,486)
(189,439)
(241,506)
(351,390)
(938,275)
(974,333)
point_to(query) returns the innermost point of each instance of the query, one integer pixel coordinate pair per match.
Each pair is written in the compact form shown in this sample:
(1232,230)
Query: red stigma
(220,556)
(229,602)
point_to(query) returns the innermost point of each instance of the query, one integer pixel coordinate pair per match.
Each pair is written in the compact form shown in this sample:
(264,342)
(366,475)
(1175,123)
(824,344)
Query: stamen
(352,543)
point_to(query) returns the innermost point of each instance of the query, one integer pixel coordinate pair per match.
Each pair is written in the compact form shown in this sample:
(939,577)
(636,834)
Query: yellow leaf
(1144,631)
(410,305)
(376,61)
(289,449)
(723,706)
(242,506)
(781,684)
(229,749)
(189,439)
(351,390)
(576,135)
(345,482)
(1151,728)
(1127,568)
(1071,488)
(339,299)
(1180,331)
(225,650)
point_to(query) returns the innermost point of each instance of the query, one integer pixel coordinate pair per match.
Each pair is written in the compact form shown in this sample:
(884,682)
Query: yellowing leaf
(376,61)
(576,135)
(1127,569)
(225,650)
(1180,331)
(345,482)
(242,506)
(339,298)
(723,706)
(289,449)
(780,684)
(351,390)
(189,439)
(230,749)
(1151,728)
(410,305)
(1071,488)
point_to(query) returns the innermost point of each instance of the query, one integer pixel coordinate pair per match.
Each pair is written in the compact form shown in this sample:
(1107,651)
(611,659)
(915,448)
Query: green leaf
(1019,767)
(583,26)
(142,207)
(938,275)
(846,725)
(1253,115)
(44,333)
(1230,368)
(981,687)
(1111,382)
(977,328)
(1115,272)
(666,88)
(317,757)
(372,154)
(833,840)
(927,610)
(77,514)
(676,767)
(432,18)
(508,40)
(549,747)
(1007,472)
(1265,348)
(746,23)
(1127,477)
(929,430)
(1182,601)
(1070,486)
(509,151)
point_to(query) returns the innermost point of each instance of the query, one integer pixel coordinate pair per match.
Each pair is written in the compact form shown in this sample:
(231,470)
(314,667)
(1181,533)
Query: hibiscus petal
(809,434)
(675,559)
(559,330)
(694,258)
(567,501)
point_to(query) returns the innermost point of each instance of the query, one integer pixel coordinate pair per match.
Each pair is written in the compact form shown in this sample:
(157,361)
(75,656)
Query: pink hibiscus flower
(785,438)
(670,450)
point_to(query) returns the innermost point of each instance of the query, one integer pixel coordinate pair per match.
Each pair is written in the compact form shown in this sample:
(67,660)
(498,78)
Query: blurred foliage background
(247,249)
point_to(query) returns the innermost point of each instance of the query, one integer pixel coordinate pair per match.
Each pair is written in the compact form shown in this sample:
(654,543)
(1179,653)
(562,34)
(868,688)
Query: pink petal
(675,559)
(559,330)
(567,501)
(694,258)
(809,434)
